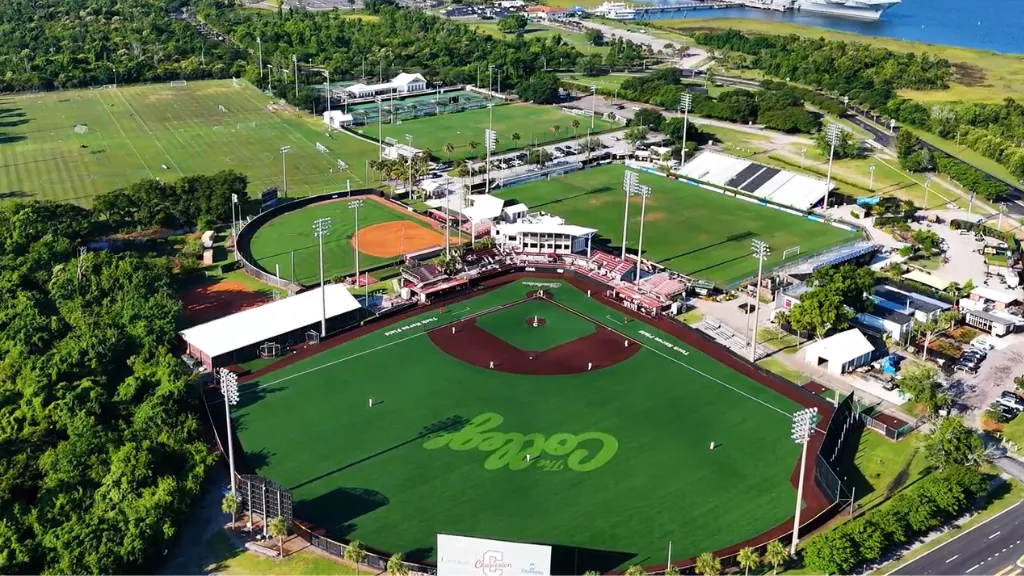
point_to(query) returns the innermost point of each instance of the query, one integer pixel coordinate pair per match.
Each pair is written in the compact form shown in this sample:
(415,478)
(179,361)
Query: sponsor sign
(463,556)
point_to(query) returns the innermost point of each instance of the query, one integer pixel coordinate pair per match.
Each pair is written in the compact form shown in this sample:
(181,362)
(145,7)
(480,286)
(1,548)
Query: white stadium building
(402,84)
(541,233)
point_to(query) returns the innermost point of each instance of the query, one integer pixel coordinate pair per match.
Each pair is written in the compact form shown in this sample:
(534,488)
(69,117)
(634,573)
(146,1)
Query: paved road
(993,548)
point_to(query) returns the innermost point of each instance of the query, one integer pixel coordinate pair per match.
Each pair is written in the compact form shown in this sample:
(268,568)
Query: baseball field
(686,228)
(71,146)
(286,245)
(548,418)
(532,123)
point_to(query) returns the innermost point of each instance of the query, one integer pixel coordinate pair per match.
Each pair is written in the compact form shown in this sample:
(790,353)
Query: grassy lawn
(530,121)
(775,339)
(275,242)
(162,131)
(979,75)
(579,41)
(607,82)
(224,557)
(885,467)
(582,490)
(983,162)
(687,229)
(691,318)
(779,367)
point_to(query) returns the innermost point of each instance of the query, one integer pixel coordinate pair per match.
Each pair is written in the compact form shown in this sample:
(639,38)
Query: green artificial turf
(641,473)
(515,325)
(135,131)
(273,244)
(686,228)
(530,121)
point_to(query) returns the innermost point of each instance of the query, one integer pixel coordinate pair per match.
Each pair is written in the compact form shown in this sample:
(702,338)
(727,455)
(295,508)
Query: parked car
(981,343)
(974,353)
(968,368)
(1015,402)
(1007,412)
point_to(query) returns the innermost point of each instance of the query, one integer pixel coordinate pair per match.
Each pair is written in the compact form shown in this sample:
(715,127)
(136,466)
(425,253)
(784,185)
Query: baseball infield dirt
(391,239)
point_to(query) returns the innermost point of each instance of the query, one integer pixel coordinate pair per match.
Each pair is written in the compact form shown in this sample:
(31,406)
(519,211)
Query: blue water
(996,25)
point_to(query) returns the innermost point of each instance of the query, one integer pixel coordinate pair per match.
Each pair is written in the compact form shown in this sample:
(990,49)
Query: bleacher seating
(615,267)
(779,186)
(663,285)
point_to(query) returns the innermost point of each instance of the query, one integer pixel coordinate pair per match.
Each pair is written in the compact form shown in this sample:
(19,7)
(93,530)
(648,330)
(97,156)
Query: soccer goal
(222,109)
(342,166)
(241,125)
(270,350)
(179,82)
(235,83)
(218,127)
(312,337)
(791,252)
(321,148)
(81,129)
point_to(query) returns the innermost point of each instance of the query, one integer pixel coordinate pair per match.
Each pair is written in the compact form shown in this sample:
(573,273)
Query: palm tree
(556,129)
(278,528)
(591,573)
(776,554)
(635,570)
(671,571)
(748,559)
(575,127)
(473,145)
(396,565)
(448,149)
(708,565)
(355,553)
(515,138)
(230,505)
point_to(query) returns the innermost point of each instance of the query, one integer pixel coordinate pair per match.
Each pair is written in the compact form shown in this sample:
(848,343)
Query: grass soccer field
(530,121)
(134,131)
(687,229)
(619,455)
(385,233)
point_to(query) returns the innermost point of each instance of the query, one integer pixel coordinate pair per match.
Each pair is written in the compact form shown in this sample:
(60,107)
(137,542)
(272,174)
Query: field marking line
(381,347)
(987,520)
(614,320)
(130,143)
(151,134)
(681,363)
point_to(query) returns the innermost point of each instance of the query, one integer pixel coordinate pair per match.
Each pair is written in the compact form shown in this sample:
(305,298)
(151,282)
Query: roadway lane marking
(953,558)
(1020,562)
(994,535)
(972,568)
(1016,572)
(1004,570)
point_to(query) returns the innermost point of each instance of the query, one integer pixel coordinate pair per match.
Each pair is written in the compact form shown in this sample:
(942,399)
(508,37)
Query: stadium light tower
(408,138)
(284,169)
(380,129)
(295,62)
(643,192)
(259,44)
(803,427)
(490,141)
(761,251)
(321,228)
(629,183)
(270,78)
(490,81)
(832,133)
(685,99)
(593,103)
(229,388)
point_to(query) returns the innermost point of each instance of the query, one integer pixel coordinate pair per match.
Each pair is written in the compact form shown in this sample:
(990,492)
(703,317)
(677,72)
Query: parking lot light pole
(761,252)
(803,427)
(629,183)
(321,228)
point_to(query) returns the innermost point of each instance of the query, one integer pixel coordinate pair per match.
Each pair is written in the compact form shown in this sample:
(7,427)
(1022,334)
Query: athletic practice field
(688,229)
(163,131)
(385,233)
(619,452)
(530,121)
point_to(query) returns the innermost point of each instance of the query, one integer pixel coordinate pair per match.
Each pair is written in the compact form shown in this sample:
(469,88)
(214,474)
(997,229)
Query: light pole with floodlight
(630,180)
(490,142)
(234,230)
(803,427)
(871,177)
(284,169)
(593,103)
(270,78)
(832,133)
(380,129)
(643,192)
(685,100)
(761,251)
(229,388)
(295,72)
(927,187)
(321,228)
(259,43)
(408,139)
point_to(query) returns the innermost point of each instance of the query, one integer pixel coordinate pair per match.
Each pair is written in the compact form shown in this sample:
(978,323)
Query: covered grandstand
(772,184)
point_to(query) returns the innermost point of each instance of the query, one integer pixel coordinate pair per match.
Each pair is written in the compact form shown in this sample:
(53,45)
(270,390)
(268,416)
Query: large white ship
(860,9)
(615,11)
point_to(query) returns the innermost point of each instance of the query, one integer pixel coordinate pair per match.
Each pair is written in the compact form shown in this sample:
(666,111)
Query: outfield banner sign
(462,556)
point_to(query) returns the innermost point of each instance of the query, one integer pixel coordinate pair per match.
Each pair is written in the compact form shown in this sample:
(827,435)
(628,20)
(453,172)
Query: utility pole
(234,239)
(259,44)
(684,106)
(643,192)
(284,169)
(270,77)
(761,251)
(832,134)
(593,103)
(927,186)
(803,427)
(629,183)
(871,177)
(380,129)
(328,92)
(490,81)
(321,228)
(408,138)
(229,388)
(295,62)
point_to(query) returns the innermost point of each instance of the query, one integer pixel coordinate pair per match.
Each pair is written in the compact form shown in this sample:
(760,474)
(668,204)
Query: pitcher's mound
(391,239)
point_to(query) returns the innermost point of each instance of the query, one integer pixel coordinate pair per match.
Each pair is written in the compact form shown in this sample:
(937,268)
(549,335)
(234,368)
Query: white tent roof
(927,279)
(485,207)
(402,79)
(516,209)
(841,347)
(994,295)
(545,228)
(266,322)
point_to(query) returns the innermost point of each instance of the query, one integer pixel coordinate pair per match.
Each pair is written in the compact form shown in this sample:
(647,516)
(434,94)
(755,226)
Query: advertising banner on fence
(462,556)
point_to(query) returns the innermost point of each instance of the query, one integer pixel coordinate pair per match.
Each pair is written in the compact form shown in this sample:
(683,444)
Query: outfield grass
(979,75)
(607,82)
(274,243)
(530,121)
(376,474)
(135,131)
(981,161)
(688,229)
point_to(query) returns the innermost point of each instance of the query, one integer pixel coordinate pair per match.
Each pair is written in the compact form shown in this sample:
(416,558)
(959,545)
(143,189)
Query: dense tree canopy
(100,450)
(191,201)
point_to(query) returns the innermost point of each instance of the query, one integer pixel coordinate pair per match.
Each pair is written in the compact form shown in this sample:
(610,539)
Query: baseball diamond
(589,431)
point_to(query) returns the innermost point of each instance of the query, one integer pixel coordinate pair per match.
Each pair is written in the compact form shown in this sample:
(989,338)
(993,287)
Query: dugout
(242,336)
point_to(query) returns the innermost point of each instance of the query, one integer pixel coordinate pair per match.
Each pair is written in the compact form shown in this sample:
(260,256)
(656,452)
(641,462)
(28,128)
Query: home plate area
(534,336)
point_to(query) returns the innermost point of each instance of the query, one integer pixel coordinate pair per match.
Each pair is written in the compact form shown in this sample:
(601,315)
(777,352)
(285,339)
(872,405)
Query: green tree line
(100,451)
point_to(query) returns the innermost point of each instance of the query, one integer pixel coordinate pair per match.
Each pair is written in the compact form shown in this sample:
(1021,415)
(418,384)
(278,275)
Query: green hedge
(1007,237)
(933,502)
(970,177)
